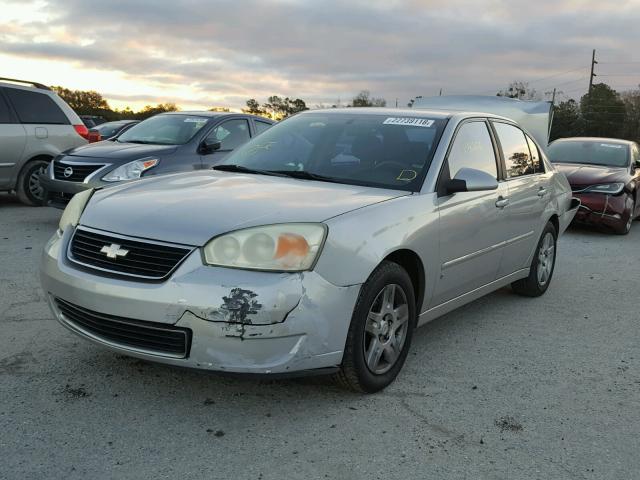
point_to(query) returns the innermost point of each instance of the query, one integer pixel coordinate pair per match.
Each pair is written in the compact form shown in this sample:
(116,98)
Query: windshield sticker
(414,122)
(195,120)
(407,175)
(608,145)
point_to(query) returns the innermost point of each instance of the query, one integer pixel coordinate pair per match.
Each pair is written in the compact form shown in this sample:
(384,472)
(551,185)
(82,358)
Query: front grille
(139,258)
(79,172)
(150,337)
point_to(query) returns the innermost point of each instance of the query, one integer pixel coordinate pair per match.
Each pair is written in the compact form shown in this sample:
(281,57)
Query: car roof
(433,113)
(594,140)
(208,114)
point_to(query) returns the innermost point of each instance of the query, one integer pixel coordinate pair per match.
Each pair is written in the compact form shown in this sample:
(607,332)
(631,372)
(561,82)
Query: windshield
(164,130)
(590,153)
(388,151)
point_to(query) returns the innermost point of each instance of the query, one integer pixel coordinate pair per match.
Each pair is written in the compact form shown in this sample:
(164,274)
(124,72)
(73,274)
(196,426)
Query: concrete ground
(507,387)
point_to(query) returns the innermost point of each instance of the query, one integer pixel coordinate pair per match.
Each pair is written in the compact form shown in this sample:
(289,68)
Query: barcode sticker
(414,122)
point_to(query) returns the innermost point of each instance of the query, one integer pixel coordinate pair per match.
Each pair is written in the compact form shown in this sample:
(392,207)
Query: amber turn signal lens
(291,244)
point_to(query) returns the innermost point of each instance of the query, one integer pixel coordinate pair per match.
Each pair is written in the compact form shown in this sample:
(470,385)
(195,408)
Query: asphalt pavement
(504,388)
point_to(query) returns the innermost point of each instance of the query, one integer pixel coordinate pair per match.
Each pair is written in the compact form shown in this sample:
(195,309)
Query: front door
(470,223)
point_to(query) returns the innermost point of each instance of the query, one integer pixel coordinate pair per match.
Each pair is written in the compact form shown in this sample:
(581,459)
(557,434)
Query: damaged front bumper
(601,209)
(239,321)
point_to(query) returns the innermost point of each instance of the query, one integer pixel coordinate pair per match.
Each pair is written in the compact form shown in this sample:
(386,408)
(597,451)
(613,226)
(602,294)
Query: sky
(200,54)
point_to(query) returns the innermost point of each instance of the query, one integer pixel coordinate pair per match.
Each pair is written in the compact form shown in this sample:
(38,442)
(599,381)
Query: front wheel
(29,189)
(381,330)
(627,218)
(542,266)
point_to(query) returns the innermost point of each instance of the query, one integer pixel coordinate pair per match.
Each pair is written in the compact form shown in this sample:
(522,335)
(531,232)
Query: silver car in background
(317,247)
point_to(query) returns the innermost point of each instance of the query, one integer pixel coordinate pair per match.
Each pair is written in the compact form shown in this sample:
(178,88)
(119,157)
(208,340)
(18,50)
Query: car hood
(584,175)
(191,208)
(113,151)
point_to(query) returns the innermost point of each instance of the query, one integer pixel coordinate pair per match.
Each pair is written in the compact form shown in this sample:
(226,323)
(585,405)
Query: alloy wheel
(546,259)
(386,329)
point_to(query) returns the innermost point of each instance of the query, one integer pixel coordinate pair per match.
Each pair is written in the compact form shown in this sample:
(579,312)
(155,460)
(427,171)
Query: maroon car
(604,174)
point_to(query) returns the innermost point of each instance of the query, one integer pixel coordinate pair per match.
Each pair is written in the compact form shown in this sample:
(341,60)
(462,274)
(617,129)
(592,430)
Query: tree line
(604,113)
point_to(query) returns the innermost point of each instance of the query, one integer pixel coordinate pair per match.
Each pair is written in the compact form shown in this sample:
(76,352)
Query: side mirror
(210,146)
(471,180)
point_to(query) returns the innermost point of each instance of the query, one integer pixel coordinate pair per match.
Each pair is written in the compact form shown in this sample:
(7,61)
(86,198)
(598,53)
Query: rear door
(528,195)
(12,139)
(471,224)
(231,134)
(47,127)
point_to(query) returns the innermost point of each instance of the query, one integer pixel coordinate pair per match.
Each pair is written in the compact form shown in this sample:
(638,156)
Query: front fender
(359,240)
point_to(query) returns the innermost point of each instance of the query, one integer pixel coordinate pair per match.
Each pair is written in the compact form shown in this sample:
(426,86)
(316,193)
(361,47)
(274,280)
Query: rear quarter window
(34,107)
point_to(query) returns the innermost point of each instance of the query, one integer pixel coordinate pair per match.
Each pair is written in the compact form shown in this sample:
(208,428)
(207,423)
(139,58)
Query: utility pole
(440,93)
(553,108)
(593,64)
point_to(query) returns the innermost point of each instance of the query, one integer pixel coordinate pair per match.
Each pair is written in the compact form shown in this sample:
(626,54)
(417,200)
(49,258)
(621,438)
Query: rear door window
(473,148)
(34,107)
(517,157)
(231,134)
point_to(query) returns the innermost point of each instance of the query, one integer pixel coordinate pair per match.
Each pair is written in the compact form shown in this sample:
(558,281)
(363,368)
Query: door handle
(542,192)
(502,202)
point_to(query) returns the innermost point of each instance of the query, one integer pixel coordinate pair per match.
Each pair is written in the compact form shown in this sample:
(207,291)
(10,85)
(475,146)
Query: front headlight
(290,247)
(75,207)
(608,188)
(131,170)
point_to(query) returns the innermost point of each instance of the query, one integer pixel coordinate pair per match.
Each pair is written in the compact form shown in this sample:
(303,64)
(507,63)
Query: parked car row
(223,242)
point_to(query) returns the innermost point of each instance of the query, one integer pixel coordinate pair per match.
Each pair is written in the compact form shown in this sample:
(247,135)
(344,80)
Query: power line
(556,75)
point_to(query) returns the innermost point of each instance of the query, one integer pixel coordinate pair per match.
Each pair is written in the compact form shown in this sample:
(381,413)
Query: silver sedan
(317,247)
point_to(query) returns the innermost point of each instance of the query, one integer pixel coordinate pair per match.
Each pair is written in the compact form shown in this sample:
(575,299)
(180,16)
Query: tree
(520,90)
(219,109)
(364,99)
(631,101)
(567,120)
(149,111)
(84,102)
(276,107)
(603,111)
(253,107)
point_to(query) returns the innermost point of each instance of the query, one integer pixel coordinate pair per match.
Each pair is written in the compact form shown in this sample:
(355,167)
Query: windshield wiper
(142,142)
(304,175)
(242,169)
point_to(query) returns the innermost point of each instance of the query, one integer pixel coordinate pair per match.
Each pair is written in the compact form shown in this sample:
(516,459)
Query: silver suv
(36,125)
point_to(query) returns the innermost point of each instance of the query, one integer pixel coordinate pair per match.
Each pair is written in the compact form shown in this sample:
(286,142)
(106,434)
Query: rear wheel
(542,266)
(29,189)
(381,330)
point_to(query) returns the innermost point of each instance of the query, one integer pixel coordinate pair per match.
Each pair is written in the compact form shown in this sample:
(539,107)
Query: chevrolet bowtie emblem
(114,251)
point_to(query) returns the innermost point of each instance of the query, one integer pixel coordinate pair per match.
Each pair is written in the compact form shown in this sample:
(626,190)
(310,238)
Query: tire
(544,262)
(382,332)
(625,226)
(28,189)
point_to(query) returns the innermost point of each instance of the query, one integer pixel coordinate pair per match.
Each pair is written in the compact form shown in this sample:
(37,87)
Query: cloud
(322,51)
